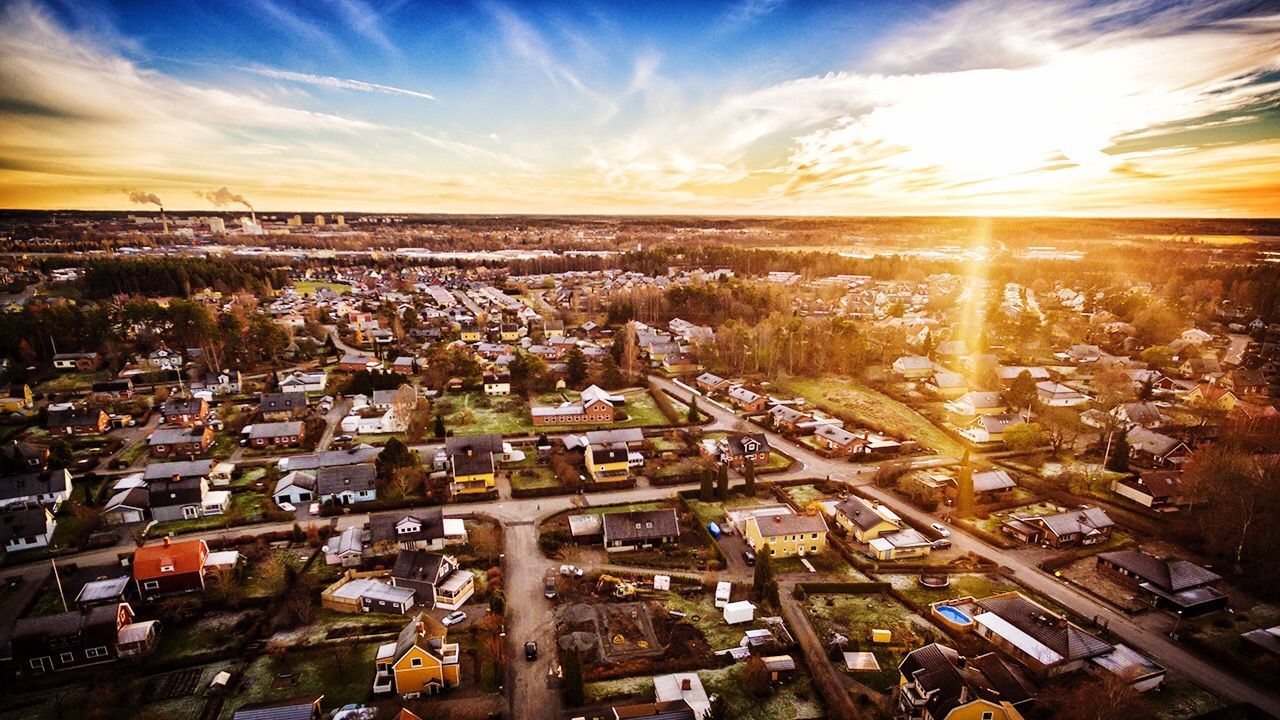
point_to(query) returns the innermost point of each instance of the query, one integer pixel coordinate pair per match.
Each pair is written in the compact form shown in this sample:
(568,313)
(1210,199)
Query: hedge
(843,588)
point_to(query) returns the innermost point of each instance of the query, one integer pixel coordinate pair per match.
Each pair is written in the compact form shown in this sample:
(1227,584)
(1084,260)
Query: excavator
(621,588)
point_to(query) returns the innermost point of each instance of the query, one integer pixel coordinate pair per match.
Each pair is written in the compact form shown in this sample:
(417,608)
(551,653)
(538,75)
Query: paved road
(530,616)
(1151,643)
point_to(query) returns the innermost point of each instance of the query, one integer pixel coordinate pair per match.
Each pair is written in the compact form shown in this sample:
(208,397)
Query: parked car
(549,587)
(570,571)
(940,529)
(942,544)
(453,618)
(314,508)
(531,650)
(749,557)
(287,507)
(343,439)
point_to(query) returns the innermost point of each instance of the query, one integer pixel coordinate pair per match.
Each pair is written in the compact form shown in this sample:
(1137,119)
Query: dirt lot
(632,638)
(1085,573)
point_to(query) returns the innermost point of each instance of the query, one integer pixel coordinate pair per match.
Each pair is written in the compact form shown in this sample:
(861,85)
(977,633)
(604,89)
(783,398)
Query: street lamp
(1174,633)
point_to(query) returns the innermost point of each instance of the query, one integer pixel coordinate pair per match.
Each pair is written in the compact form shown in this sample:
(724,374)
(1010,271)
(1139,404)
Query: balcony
(383,682)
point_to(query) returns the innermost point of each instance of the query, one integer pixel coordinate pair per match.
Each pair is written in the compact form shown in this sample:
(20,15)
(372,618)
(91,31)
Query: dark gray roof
(382,526)
(167,493)
(488,442)
(184,468)
(333,458)
(282,402)
(609,453)
(66,624)
(1050,630)
(419,565)
(640,525)
(182,406)
(859,512)
(174,436)
(35,483)
(73,417)
(668,710)
(737,443)
(288,428)
(332,480)
(1168,575)
(23,523)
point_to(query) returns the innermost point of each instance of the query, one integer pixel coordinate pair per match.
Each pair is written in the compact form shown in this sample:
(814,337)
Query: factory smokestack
(223,196)
(146,198)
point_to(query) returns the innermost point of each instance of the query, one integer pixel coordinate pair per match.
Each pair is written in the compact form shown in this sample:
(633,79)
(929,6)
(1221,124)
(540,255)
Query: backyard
(343,673)
(855,616)
(870,408)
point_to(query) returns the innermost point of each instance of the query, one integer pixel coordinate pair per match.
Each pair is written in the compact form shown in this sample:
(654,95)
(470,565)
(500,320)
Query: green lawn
(854,616)
(529,478)
(1182,700)
(802,495)
(872,408)
(342,673)
(134,452)
(309,287)
(68,382)
(710,619)
(210,632)
(973,585)
(251,507)
(684,466)
(795,700)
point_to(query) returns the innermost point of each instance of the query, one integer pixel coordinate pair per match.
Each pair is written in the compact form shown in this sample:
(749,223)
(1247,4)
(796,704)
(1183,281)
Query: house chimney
(176,478)
(961,662)
(777,519)
(685,684)
(167,540)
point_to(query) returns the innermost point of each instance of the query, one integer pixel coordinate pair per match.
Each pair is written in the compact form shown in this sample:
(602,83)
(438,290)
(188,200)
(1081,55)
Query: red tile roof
(187,556)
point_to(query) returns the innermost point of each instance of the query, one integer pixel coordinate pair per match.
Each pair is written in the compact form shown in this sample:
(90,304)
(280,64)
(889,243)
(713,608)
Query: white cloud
(336,83)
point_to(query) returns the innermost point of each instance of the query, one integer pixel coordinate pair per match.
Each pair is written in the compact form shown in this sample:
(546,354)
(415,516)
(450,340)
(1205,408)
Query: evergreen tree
(706,492)
(395,455)
(498,602)
(1022,391)
(610,375)
(964,486)
(763,575)
(572,678)
(722,482)
(1118,459)
(577,363)
(749,471)
(439,430)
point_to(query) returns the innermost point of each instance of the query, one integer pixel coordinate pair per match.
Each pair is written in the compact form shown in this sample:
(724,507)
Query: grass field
(474,413)
(308,287)
(246,507)
(854,616)
(343,674)
(873,409)
(68,382)
(973,585)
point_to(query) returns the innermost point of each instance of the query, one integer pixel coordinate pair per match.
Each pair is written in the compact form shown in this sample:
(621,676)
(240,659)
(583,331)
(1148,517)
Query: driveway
(530,616)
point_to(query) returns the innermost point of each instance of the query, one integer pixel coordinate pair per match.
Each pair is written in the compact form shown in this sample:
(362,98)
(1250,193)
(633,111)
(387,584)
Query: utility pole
(58,579)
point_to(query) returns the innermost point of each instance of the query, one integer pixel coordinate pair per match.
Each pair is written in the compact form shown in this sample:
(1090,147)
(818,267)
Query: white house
(303,382)
(27,529)
(51,487)
(1054,394)
(295,488)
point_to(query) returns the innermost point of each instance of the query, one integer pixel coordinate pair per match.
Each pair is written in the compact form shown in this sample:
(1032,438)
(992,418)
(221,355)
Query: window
(151,585)
(96,652)
(166,568)
(38,663)
(415,662)
(987,715)
(67,657)
(815,536)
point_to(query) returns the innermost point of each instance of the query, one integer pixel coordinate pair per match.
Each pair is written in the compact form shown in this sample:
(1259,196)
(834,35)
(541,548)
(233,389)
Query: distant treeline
(154,277)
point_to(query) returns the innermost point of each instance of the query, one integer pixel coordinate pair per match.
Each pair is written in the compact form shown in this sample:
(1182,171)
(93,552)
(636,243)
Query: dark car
(549,587)
(941,544)
(531,650)
(749,557)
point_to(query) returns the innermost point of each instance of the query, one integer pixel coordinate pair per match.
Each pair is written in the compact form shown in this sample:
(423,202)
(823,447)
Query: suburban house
(107,591)
(303,382)
(787,535)
(27,529)
(419,661)
(865,520)
(436,579)
(977,402)
(1156,489)
(79,638)
(1041,640)
(79,362)
(368,594)
(1154,449)
(497,384)
(358,362)
(184,411)
(900,545)
(17,398)
(913,367)
(17,456)
(170,568)
(471,463)
(1202,369)
(1085,526)
(185,498)
(223,382)
(608,463)
(1141,414)
(122,388)
(1052,394)
(167,442)
(1212,397)
(50,487)
(595,407)
(1245,381)
(787,419)
(947,384)
(748,401)
(988,485)
(836,440)
(77,421)
(276,434)
(353,455)
(710,383)
(639,529)
(1175,584)
(347,484)
(295,488)
(183,469)
(661,710)
(990,428)
(162,359)
(282,405)
(127,506)
(936,683)
(417,529)
(736,449)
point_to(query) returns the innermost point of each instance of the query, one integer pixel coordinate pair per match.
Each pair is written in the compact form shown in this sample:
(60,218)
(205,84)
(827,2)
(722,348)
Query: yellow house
(1212,397)
(18,398)
(787,535)
(469,333)
(509,333)
(865,522)
(936,683)
(419,661)
(607,463)
(471,461)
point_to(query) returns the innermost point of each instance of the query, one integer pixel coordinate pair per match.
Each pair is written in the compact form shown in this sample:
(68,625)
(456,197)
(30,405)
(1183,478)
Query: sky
(779,107)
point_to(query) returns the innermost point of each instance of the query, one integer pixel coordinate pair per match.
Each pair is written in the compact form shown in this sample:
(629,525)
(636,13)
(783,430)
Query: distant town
(277,466)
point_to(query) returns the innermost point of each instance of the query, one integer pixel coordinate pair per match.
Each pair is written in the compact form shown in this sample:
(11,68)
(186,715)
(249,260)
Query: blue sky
(968,107)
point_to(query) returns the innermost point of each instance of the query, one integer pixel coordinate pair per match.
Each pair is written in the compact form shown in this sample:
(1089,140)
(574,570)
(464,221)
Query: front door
(191,512)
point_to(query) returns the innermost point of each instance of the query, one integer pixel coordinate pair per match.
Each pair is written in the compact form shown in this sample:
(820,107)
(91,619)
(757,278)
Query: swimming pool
(952,616)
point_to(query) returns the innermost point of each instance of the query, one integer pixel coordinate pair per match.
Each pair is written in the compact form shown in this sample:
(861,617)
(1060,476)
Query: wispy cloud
(747,12)
(366,22)
(336,83)
(293,22)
